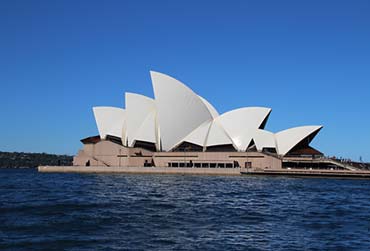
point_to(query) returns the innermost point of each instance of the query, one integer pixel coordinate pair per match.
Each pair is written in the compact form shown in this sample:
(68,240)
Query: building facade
(179,128)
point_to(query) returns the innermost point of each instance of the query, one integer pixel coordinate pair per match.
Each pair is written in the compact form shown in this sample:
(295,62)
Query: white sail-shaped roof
(140,112)
(210,107)
(199,135)
(110,121)
(218,136)
(289,138)
(147,130)
(264,139)
(179,109)
(177,115)
(241,123)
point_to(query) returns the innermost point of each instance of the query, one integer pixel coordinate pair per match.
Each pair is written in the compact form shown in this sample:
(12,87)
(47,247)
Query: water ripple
(169,212)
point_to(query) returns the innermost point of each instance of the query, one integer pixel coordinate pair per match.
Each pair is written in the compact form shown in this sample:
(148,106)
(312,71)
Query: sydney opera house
(179,128)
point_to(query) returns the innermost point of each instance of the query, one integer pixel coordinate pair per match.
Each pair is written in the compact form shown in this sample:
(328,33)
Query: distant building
(182,129)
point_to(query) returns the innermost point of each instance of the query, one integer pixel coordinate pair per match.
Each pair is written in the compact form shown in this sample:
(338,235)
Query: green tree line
(32,160)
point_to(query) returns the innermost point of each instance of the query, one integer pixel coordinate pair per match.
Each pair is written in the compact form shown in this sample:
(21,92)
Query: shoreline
(206,171)
(310,173)
(139,170)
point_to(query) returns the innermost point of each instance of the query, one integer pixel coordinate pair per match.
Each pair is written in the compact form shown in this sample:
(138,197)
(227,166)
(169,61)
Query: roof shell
(147,130)
(240,124)
(264,139)
(141,118)
(289,138)
(210,107)
(199,135)
(217,135)
(179,109)
(110,121)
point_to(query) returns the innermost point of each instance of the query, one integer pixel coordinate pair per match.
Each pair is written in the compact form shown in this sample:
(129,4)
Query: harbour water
(51,211)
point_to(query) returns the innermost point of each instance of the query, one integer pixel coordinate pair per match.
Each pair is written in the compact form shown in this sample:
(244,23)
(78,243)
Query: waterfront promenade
(205,171)
(139,170)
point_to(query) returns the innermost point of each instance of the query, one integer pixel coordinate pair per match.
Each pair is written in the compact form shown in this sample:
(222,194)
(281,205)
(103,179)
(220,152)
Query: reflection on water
(173,212)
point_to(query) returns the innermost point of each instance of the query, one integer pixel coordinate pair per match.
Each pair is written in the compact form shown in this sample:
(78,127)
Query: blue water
(173,212)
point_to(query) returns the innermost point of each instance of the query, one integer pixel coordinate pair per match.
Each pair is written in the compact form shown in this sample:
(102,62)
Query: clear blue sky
(307,60)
